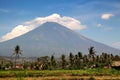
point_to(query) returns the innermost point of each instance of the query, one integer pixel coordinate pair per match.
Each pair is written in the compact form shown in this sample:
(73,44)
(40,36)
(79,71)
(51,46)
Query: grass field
(60,74)
(65,78)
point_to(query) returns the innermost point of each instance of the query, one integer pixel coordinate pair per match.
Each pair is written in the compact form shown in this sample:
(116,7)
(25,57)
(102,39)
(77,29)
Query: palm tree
(63,61)
(77,62)
(92,57)
(80,58)
(17,52)
(52,62)
(80,55)
(71,59)
(92,53)
(85,60)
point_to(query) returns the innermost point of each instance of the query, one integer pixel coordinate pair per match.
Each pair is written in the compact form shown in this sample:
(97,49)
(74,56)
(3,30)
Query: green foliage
(43,73)
(91,78)
(72,62)
(63,61)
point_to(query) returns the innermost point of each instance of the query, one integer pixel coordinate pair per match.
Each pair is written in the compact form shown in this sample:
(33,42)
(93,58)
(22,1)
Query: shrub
(91,78)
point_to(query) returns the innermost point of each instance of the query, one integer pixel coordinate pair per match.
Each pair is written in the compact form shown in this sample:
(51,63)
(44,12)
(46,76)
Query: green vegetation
(71,62)
(43,73)
(78,66)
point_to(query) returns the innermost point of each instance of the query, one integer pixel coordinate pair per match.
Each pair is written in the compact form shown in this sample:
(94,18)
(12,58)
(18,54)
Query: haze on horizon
(97,20)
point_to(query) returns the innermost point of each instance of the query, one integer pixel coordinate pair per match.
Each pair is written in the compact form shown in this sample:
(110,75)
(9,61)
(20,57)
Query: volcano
(53,38)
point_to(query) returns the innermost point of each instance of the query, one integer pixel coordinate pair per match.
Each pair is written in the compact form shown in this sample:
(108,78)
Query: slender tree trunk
(15,60)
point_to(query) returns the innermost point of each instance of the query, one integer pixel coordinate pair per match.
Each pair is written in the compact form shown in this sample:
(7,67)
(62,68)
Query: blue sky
(101,17)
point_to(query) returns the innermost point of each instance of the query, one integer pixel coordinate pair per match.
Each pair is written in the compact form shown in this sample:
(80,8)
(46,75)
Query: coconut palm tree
(53,62)
(92,53)
(71,59)
(80,58)
(63,61)
(17,52)
(80,55)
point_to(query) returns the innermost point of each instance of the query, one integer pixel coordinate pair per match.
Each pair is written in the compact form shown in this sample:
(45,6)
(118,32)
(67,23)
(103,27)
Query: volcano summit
(52,38)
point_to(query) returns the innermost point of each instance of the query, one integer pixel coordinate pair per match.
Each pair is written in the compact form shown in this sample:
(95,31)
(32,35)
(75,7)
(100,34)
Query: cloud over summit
(27,26)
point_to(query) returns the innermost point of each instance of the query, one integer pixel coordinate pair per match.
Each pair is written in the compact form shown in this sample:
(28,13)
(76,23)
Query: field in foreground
(65,78)
(60,74)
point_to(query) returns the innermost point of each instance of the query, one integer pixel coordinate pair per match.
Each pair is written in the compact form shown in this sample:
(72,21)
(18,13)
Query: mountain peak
(51,38)
(52,25)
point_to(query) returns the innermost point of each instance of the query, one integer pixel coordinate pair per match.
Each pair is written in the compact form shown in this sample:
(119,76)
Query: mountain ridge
(52,38)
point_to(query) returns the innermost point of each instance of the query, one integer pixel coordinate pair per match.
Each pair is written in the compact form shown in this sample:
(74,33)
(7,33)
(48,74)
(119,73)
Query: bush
(91,78)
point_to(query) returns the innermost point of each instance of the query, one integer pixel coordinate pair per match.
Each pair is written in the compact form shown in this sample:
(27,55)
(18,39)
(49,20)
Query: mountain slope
(52,38)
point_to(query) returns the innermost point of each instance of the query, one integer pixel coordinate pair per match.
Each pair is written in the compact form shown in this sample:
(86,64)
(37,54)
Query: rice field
(91,74)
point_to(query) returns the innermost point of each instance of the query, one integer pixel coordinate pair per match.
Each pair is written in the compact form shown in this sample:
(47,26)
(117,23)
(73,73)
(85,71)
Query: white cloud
(69,22)
(99,25)
(116,45)
(17,31)
(106,16)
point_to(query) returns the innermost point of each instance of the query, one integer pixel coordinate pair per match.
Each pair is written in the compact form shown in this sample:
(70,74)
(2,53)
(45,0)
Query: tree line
(71,61)
(79,60)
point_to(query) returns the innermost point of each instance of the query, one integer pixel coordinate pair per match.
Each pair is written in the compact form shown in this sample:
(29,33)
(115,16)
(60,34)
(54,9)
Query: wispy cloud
(22,12)
(99,25)
(68,22)
(104,27)
(116,44)
(17,12)
(106,16)
(108,28)
(3,10)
